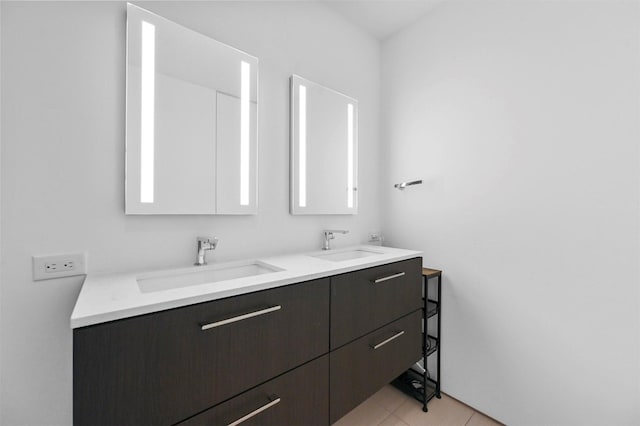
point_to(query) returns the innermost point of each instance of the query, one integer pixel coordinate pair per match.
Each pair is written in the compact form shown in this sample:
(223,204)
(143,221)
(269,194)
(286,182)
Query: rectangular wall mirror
(324,150)
(192,129)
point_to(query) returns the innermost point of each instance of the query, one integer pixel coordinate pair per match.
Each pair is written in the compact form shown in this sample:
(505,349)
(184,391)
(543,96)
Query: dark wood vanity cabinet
(361,368)
(163,368)
(376,329)
(364,300)
(301,354)
(298,397)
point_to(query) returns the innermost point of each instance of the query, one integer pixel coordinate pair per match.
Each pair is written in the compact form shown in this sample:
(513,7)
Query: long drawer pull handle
(384,342)
(390,277)
(240,317)
(255,412)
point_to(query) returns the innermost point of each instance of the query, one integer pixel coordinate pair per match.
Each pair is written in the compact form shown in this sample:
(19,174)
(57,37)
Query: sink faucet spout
(329,235)
(205,243)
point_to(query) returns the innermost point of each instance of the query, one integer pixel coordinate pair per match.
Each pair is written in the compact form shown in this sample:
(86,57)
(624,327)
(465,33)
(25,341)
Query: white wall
(523,119)
(1,410)
(62,183)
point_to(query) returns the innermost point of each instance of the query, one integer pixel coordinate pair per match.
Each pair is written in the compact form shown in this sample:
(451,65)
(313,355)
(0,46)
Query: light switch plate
(58,266)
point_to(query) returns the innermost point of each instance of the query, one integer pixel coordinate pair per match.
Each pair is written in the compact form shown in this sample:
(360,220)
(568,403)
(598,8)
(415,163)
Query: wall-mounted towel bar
(403,185)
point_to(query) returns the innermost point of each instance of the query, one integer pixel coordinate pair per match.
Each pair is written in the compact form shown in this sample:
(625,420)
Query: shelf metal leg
(439,335)
(425,341)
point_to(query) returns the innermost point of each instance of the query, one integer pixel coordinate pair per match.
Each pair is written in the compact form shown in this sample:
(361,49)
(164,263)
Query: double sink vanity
(289,340)
(297,339)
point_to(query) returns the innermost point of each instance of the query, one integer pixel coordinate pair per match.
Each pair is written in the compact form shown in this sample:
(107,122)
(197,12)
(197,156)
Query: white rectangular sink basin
(202,275)
(340,256)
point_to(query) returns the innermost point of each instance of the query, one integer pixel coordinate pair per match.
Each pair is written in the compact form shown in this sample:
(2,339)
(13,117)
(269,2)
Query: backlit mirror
(324,150)
(191,121)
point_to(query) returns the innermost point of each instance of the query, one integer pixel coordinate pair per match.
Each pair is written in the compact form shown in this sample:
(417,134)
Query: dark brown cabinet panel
(362,367)
(302,354)
(162,368)
(359,304)
(297,398)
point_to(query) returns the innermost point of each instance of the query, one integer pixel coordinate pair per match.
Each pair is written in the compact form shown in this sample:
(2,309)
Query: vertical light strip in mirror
(245,124)
(302,146)
(147,112)
(350,131)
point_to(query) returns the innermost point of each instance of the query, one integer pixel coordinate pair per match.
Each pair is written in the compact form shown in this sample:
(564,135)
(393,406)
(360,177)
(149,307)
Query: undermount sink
(202,275)
(339,256)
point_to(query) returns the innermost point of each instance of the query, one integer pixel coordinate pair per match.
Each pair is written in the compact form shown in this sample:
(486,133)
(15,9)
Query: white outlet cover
(39,270)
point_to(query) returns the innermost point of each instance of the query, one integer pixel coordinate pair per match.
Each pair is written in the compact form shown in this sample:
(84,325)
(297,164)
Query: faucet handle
(212,242)
(336,231)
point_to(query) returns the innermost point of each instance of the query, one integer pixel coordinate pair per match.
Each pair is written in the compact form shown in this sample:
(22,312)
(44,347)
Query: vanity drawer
(298,397)
(162,368)
(364,300)
(361,368)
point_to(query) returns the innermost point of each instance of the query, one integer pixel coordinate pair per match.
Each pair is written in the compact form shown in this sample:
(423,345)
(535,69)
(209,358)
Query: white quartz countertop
(109,297)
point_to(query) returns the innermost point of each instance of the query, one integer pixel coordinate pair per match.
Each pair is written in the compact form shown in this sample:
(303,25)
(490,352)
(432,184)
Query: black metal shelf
(420,385)
(432,308)
(412,384)
(432,346)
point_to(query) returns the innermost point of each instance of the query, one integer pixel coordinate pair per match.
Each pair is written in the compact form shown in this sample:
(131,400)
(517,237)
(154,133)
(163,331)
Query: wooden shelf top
(428,272)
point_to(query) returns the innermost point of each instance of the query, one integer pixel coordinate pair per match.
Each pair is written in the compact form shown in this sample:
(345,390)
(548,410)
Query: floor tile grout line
(383,420)
(409,400)
(473,413)
(401,405)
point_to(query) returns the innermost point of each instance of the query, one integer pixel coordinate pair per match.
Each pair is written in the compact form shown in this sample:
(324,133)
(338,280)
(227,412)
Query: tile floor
(390,407)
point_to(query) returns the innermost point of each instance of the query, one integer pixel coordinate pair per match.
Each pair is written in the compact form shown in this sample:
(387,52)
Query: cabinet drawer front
(364,300)
(162,368)
(361,368)
(298,397)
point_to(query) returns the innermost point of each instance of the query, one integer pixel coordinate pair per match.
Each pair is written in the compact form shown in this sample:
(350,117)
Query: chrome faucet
(328,236)
(205,243)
